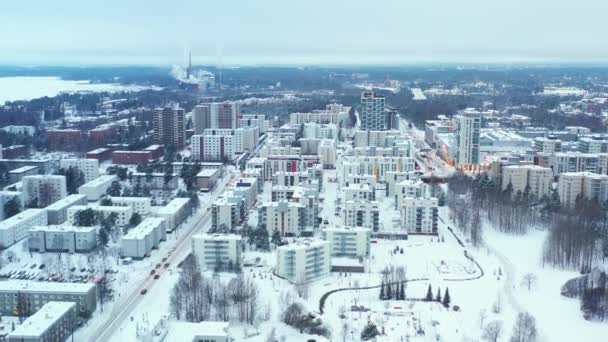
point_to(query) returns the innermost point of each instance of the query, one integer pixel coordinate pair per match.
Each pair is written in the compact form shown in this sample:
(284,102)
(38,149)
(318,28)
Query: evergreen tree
(276,237)
(429,294)
(11,208)
(446,298)
(389,293)
(402,293)
(397,292)
(382,294)
(438,297)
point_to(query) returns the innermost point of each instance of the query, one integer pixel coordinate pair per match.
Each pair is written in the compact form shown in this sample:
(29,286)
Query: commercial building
(538,178)
(419,215)
(139,241)
(57,212)
(41,191)
(218,252)
(62,238)
(97,188)
(16,175)
(38,293)
(468,124)
(361,214)
(89,167)
(348,242)
(55,321)
(140,205)
(123,214)
(15,228)
(175,212)
(372,114)
(432,128)
(304,261)
(169,126)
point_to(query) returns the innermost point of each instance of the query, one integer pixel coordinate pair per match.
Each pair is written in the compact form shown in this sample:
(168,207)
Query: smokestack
(189,65)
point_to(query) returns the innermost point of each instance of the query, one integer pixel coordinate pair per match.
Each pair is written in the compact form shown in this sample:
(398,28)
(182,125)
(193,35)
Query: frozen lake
(27,88)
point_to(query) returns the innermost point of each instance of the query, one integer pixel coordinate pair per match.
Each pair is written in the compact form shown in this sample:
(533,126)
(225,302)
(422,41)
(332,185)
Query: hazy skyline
(71,32)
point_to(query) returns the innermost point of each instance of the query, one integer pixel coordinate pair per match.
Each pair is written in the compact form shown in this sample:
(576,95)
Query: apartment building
(57,213)
(140,205)
(139,241)
(574,185)
(62,238)
(547,144)
(376,138)
(88,167)
(254,120)
(39,293)
(468,124)
(361,214)
(377,166)
(97,188)
(218,252)
(327,153)
(538,178)
(359,192)
(288,218)
(156,180)
(123,214)
(304,261)
(348,242)
(419,215)
(333,113)
(227,211)
(592,145)
(579,162)
(175,212)
(372,111)
(55,321)
(17,174)
(169,126)
(43,190)
(15,228)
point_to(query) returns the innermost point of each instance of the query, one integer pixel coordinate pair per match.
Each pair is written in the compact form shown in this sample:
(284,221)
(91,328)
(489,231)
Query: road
(123,310)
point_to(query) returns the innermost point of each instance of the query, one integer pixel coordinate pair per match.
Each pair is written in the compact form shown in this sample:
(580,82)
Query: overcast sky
(301,32)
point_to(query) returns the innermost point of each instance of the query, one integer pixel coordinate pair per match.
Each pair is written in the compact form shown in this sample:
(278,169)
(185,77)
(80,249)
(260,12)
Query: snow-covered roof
(187,331)
(38,323)
(12,286)
(62,203)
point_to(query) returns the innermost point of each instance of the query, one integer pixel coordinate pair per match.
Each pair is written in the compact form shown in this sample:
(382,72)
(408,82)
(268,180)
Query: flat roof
(219,237)
(38,323)
(24,215)
(187,331)
(303,244)
(99,181)
(66,201)
(99,150)
(12,285)
(207,172)
(24,169)
(62,228)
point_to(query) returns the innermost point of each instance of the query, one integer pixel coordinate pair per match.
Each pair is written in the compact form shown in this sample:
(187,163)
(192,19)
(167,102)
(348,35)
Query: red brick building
(131,157)
(64,139)
(14,151)
(101,136)
(99,154)
(155,150)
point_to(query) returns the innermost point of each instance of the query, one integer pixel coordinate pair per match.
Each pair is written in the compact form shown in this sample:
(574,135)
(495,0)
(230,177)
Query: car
(152,272)
(73,269)
(32,266)
(156,276)
(41,267)
(143,292)
(83,270)
(164,259)
(166,265)
(157,265)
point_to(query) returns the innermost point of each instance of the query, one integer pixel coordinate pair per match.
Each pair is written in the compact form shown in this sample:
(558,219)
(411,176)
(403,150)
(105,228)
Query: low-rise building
(123,214)
(57,212)
(348,242)
(175,212)
(15,228)
(207,178)
(55,321)
(140,205)
(304,261)
(38,293)
(97,188)
(156,180)
(62,238)
(139,241)
(17,175)
(43,190)
(196,332)
(218,252)
(88,167)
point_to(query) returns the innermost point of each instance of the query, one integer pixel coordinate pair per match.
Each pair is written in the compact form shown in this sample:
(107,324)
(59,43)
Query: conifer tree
(446,298)
(429,294)
(438,297)
(382,295)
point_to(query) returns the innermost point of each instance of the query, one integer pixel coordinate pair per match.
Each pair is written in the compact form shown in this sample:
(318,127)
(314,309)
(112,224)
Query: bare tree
(497,306)
(529,281)
(492,331)
(524,329)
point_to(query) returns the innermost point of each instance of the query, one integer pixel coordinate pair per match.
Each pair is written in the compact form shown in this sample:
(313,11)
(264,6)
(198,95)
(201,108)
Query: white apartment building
(287,178)
(57,212)
(410,188)
(123,214)
(288,218)
(43,190)
(139,241)
(304,262)
(218,252)
(377,166)
(333,114)
(592,145)
(579,162)
(361,179)
(204,331)
(17,175)
(313,130)
(372,114)
(392,178)
(361,214)
(468,124)
(359,192)
(573,185)
(376,138)
(140,205)
(89,167)
(327,153)
(14,129)
(348,242)
(62,238)
(419,215)
(254,120)
(547,145)
(15,229)
(55,321)
(97,188)
(175,212)
(39,293)
(537,177)
(227,211)
(270,149)
(274,164)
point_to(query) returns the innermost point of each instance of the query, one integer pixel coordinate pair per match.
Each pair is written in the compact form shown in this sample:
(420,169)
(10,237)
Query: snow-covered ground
(27,88)
(418,94)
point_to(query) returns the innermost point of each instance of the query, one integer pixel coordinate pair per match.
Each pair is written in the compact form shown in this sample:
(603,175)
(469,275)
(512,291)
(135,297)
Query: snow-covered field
(27,88)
